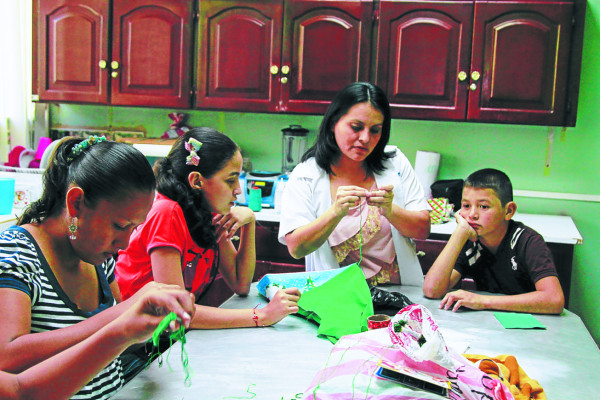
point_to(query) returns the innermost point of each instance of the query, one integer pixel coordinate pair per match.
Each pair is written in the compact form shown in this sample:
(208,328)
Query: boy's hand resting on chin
(464,225)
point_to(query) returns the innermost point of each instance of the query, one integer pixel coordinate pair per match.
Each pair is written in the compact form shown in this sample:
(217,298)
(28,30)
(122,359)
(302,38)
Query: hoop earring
(73,228)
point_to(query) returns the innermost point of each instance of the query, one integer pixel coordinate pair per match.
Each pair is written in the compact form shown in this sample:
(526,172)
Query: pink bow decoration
(177,127)
(178,120)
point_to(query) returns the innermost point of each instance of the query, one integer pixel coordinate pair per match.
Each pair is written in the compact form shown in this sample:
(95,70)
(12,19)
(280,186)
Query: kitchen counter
(6,221)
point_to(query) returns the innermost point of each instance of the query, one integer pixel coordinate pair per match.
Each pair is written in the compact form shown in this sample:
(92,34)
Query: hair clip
(84,144)
(193,146)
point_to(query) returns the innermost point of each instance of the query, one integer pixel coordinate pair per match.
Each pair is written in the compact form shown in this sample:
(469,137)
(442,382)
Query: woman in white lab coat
(352,198)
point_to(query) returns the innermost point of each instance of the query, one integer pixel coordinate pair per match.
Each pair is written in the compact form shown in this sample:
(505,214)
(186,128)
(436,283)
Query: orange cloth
(506,368)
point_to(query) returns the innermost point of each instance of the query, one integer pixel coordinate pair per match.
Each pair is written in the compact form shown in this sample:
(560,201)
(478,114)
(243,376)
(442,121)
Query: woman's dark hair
(105,171)
(172,176)
(326,150)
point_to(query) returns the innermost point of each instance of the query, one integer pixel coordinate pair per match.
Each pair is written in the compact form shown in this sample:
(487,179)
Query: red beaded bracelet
(255,317)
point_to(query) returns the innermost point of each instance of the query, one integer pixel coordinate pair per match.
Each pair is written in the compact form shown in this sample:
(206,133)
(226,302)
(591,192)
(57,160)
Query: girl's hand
(346,197)
(143,316)
(228,224)
(283,303)
(382,198)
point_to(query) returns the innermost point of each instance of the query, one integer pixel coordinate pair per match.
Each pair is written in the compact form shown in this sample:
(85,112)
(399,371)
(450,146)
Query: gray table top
(280,361)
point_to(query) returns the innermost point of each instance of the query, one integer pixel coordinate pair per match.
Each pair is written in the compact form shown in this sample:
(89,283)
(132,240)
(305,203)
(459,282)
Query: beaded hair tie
(84,144)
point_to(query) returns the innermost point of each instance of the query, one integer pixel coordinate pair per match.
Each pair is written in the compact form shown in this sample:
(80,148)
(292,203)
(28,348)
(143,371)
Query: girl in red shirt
(187,237)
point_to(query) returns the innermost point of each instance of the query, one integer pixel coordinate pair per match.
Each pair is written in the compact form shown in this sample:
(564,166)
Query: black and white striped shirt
(23,267)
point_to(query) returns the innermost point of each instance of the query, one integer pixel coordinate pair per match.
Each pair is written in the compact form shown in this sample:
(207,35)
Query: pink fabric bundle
(350,370)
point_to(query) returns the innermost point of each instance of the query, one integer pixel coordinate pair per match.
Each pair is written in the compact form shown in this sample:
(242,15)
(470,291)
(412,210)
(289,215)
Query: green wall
(518,150)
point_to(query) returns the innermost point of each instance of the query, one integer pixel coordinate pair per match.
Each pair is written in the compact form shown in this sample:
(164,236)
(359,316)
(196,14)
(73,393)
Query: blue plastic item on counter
(7,195)
(301,280)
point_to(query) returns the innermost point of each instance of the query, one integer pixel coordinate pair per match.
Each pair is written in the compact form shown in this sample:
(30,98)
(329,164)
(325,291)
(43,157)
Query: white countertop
(553,228)
(7,220)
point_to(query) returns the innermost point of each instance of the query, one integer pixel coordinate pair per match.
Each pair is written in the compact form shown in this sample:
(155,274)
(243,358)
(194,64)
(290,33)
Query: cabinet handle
(274,70)
(114,65)
(462,75)
(473,86)
(475,75)
(284,80)
(102,64)
(114,74)
(285,69)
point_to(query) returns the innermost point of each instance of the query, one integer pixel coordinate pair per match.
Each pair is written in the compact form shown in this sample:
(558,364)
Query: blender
(293,146)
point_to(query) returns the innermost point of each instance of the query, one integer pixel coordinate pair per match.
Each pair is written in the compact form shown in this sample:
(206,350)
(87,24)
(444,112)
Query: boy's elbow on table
(558,306)
(433,292)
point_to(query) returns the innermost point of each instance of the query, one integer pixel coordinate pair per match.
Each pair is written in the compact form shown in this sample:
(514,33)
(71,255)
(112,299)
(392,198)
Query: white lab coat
(307,195)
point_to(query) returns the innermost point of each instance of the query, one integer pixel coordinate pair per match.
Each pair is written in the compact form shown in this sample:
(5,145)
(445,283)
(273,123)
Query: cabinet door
(238,45)
(521,50)
(151,63)
(71,41)
(422,49)
(325,47)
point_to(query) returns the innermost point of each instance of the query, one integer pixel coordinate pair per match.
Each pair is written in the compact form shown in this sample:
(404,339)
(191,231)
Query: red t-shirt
(165,226)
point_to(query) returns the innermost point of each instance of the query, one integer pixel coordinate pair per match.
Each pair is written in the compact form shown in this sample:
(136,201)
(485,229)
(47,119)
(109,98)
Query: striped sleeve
(109,269)
(19,264)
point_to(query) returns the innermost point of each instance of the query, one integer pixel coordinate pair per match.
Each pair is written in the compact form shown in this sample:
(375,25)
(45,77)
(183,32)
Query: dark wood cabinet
(326,45)
(71,40)
(121,52)
(280,56)
(152,44)
(497,61)
(420,50)
(238,43)
(485,61)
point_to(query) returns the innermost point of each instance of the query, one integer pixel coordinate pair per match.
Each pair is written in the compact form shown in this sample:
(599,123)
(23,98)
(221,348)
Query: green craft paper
(340,306)
(510,320)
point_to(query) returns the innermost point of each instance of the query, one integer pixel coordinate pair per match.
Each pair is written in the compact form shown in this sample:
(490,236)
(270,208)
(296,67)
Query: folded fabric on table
(340,306)
(506,368)
(411,342)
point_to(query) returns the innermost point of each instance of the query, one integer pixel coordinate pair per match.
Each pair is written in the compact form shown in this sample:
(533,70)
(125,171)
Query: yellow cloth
(506,368)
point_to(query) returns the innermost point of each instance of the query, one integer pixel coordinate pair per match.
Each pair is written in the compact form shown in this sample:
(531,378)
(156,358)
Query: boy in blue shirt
(501,255)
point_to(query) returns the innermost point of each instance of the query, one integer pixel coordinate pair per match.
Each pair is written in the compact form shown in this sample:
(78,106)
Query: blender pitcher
(294,145)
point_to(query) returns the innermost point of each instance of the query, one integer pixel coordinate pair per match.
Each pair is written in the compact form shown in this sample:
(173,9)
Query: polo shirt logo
(514,263)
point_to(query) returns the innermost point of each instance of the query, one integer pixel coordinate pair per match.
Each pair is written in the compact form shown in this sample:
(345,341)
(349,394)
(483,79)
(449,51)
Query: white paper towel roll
(427,164)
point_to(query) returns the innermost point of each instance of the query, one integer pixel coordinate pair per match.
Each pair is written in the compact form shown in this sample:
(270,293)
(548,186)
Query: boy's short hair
(489,178)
